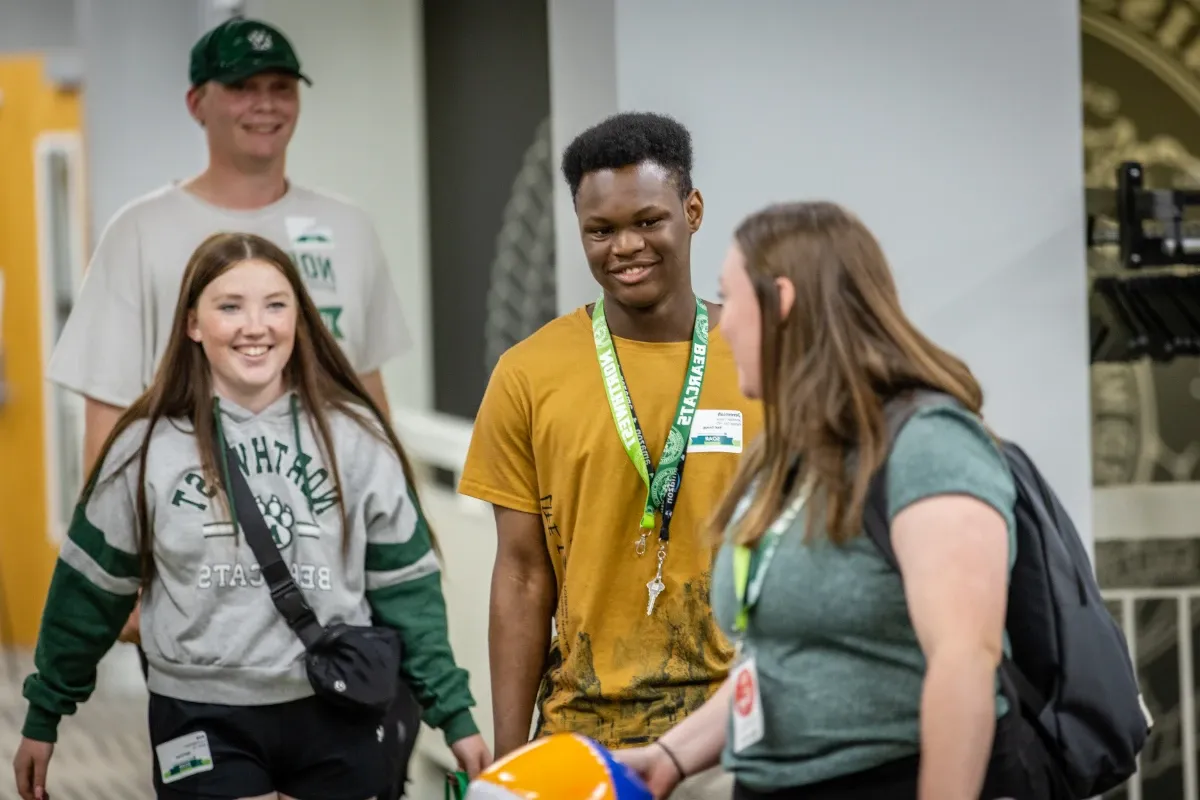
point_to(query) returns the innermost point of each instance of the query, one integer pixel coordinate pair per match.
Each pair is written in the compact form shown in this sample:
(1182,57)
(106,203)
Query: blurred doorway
(42,251)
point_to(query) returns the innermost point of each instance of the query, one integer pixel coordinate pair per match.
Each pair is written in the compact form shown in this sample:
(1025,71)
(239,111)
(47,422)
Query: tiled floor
(103,752)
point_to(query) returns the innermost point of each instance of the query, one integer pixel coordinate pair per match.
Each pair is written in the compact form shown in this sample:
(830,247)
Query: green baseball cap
(239,48)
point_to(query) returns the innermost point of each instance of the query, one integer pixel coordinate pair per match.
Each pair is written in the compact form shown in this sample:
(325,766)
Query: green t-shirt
(840,668)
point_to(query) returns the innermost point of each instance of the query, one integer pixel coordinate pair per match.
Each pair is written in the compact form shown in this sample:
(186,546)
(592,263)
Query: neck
(671,320)
(232,187)
(253,400)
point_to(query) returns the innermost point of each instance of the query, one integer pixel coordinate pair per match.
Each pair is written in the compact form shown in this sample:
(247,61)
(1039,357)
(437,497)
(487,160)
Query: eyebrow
(236,296)
(653,208)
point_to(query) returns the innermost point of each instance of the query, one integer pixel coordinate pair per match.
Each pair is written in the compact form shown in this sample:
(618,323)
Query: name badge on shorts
(748,725)
(185,756)
(715,431)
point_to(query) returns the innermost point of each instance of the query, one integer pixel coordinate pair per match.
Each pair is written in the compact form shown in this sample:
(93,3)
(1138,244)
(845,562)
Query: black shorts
(305,749)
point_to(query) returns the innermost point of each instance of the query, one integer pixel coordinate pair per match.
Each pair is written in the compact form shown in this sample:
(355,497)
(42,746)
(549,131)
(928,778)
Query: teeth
(256,350)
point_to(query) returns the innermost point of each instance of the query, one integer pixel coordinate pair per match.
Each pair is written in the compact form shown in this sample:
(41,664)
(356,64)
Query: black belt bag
(354,667)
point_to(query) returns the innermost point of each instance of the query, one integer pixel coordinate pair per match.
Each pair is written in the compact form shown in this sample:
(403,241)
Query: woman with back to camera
(232,712)
(868,686)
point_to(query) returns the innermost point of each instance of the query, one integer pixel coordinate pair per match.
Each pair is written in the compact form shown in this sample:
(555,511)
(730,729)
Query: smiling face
(245,320)
(251,121)
(637,232)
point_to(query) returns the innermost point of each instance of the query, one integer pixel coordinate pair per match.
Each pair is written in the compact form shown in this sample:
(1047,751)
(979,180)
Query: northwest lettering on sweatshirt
(266,455)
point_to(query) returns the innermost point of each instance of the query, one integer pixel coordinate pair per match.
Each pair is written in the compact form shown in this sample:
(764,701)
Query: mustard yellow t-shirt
(545,443)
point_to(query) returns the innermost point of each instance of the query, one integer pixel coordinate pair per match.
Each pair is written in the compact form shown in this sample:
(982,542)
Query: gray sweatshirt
(208,626)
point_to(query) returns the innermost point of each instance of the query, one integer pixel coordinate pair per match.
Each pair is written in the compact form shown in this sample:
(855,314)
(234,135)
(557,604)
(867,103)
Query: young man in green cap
(245,94)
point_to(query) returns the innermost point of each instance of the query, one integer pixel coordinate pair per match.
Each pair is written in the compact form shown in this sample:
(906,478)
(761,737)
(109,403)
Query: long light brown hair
(182,388)
(844,349)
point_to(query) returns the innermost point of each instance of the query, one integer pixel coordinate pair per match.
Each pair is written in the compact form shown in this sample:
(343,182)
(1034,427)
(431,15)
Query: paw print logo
(280,520)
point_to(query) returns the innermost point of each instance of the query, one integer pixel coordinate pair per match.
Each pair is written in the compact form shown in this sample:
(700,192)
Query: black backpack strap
(897,412)
(285,594)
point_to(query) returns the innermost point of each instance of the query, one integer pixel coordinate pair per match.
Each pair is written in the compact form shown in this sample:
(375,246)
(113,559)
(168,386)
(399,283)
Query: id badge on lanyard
(749,725)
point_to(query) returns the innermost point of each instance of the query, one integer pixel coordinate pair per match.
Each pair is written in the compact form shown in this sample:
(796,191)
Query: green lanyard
(748,587)
(662,483)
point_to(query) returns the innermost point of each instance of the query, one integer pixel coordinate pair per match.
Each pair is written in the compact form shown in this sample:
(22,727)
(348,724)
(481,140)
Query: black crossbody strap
(285,594)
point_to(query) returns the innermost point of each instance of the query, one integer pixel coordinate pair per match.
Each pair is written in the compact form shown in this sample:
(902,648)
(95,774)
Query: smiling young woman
(232,713)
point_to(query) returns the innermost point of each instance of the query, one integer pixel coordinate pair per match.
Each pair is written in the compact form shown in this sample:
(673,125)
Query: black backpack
(1070,667)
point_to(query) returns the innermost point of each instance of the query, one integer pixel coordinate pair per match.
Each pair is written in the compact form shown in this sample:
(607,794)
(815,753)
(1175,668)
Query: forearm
(698,741)
(958,721)
(373,383)
(80,624)
(518,641)
(417,609)
(98,421)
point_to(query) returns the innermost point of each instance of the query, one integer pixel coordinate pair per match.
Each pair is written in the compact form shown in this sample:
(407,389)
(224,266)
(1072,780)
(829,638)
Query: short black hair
(630,138)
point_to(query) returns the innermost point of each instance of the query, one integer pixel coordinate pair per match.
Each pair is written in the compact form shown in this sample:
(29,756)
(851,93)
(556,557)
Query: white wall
(951,128)
(33,25)
(361,135)
(138,133)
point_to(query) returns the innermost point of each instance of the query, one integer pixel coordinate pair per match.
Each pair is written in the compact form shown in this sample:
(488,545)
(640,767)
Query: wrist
(40,725)
(673,757)
(458,727)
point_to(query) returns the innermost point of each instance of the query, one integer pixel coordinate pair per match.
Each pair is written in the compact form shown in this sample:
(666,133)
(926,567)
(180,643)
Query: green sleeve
(92,593)
(404,588)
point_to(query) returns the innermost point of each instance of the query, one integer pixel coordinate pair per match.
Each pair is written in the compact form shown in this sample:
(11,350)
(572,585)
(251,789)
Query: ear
(787,296)
(193,327)
(693,209)
(193,98)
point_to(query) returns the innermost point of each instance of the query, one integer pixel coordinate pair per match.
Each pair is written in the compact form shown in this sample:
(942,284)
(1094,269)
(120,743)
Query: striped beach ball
(565,766)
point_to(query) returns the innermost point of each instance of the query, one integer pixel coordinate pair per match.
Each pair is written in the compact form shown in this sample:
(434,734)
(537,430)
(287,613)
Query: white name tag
(305,234)
(748,725)
(180,758)
(716,431)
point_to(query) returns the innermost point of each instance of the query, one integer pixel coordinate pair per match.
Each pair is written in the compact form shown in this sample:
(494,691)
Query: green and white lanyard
(662,482)
(750,565)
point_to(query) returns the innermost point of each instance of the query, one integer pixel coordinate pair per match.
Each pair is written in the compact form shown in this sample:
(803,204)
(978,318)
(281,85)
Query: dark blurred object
(1153,227)
(1148,304)
(1145,316)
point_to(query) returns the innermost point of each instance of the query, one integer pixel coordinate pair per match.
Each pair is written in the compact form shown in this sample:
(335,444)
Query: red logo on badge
(743,697)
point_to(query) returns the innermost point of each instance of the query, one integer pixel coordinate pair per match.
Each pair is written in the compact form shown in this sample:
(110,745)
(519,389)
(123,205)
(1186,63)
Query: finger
(39,777)
(23,769)
(25,786)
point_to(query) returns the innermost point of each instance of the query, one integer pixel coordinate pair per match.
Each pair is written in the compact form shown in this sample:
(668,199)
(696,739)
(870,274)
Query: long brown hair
(182,388)
(828,368)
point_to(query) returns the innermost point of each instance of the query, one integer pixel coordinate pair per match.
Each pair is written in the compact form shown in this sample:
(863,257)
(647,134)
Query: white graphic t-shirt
(118,329)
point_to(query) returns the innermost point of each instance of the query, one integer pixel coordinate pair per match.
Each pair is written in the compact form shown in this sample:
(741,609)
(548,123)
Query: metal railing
(1168,726)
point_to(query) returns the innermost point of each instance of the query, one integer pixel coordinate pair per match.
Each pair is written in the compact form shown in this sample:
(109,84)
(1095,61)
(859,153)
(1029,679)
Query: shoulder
(163,199)
(562,340)
(945,449)
(124,453)
(133,214)
(358,438)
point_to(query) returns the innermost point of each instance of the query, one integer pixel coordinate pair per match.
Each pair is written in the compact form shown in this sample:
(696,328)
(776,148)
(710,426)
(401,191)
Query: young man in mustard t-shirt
(603,442)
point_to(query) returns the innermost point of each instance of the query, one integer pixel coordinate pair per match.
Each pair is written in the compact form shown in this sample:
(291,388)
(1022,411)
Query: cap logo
(260,40)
